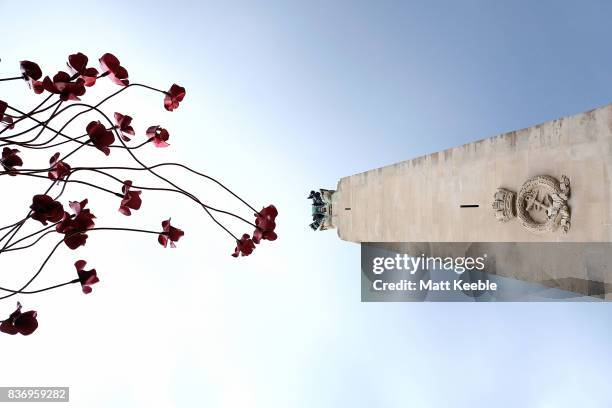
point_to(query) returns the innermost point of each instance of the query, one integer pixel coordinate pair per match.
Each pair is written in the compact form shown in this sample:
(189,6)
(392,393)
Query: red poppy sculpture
(72,222)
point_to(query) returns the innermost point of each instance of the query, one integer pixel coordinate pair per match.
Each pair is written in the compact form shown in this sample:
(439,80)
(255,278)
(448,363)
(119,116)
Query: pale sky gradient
(283,97)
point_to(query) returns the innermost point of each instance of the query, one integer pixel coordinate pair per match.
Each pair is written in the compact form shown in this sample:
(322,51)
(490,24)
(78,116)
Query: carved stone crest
(540,205)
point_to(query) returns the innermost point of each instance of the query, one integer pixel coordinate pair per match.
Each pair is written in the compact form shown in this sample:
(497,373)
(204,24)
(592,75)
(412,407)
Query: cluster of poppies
(102,138)
(265,222)
(10,159)
(74,227)
(25,323)
(76,222)
(70,86)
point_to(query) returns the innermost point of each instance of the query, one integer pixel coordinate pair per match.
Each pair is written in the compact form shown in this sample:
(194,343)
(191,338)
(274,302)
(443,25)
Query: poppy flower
(123,123)
(131,199)
(112,67)
(22,323)
(62,85)
(244,246)
(45,208)
(31,74)
(30,70)
(10,160)
(171,234)
(87,278)
(6,120)
(78,65)
(266,224)
(158,135)
(59,169)
(100,136)
(74,227)
(173,96)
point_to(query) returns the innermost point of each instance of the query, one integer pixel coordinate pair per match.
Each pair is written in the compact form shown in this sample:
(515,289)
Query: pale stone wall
(419,200)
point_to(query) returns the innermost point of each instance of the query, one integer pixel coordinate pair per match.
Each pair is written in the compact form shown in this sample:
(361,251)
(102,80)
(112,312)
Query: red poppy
(174,95)
(22,323)
(87,278)
(45,208)
(10,160)
(131,199)
(266,224)
(100,136)
(170,234)
(30,70)
(112,67)
(62,86)
(123,123)
(244,246)
(59,169)
(78,65)
(32,73)
(74,227)
(158,135)
(6,120)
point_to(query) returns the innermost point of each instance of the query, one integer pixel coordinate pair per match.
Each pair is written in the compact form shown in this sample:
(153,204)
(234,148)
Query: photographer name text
(429,285)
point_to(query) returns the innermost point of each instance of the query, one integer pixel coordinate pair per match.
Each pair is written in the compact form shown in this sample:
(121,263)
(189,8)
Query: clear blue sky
(298,95)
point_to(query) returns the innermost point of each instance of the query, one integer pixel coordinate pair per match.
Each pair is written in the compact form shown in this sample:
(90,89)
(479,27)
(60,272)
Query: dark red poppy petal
(111,65)
(173,97)
(30,70)
(100,136)
(8,327)
(23,323)
(26,324)
(75,240)
(78,62)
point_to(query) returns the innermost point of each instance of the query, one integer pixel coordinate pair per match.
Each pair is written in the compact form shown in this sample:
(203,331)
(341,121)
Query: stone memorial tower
(539,199)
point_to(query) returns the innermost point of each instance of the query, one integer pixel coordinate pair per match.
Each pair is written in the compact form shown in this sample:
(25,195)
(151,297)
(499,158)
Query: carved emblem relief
(540,205)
